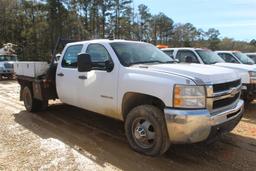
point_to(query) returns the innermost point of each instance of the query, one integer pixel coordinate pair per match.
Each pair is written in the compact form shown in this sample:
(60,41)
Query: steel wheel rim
(143,133)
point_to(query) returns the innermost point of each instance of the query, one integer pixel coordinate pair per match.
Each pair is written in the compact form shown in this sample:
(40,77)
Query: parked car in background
(208,57)
(252,56)
(7,58)
(235,57)
(160,102)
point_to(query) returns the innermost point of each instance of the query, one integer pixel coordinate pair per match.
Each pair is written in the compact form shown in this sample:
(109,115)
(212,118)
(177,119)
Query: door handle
(60,74)
(82,77)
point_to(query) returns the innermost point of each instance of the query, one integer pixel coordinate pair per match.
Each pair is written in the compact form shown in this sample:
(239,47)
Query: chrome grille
(225,86)
(8,66)
(223,95)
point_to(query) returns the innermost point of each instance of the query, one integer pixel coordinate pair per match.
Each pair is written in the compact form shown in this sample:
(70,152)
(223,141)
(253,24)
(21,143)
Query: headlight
(252,77)
(189,96)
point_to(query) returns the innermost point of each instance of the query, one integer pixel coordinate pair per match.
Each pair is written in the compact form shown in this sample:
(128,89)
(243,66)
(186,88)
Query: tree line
(36,25)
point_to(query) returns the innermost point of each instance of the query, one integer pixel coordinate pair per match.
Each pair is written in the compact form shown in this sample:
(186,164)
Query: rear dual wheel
(31,104)
(146,131)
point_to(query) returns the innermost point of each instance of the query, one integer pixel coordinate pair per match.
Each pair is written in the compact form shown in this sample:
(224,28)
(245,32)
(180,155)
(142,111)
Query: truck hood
(207,74)
(1,64)
(241,69)
(238,67)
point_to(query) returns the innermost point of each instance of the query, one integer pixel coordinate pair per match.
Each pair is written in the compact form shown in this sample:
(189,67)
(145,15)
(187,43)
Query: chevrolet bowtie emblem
(233,92)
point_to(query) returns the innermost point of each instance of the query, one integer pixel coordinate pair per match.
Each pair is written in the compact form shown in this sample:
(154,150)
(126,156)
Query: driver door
(97,89)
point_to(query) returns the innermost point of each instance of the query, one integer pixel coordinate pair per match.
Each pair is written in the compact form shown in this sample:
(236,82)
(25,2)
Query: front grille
(225,102)
(7,65)
(222,95)
(226,86)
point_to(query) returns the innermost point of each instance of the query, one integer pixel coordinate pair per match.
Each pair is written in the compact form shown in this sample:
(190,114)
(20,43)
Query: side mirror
(177,60)
(84,62)
(57,58)
(189,59)
(109,65)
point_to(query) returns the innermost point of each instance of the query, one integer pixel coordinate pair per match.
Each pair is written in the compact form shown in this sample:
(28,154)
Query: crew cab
(159,101)
(208,57)
(235,57)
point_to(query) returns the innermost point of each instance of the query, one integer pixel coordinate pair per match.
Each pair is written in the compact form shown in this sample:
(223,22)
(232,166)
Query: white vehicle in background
(252,56)
(159,101)
(208,57)
(235,57)
(7,59)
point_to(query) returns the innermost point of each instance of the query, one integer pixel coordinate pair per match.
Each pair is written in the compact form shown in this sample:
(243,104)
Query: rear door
(67,75)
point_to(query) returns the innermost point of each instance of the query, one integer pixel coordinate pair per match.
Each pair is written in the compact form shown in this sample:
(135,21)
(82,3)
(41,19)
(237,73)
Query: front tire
(248,101)
(146,131)
(31,104)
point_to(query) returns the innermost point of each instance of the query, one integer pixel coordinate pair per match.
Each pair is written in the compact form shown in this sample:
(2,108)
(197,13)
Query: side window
(98,53)
(70,57)
(222,55)
(169,53)
(253,57)
(187,56)
(228,58)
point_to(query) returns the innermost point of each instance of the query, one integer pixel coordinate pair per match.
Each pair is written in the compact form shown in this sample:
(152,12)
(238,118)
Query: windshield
(7,58)
(209,57)
(243,58)
(253,57)
(130,53)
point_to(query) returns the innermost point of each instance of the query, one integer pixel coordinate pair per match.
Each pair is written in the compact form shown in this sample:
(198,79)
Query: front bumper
(6,71)
(191,126)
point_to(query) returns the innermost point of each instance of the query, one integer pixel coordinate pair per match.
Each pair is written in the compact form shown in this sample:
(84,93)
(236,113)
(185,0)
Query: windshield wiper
(149,62)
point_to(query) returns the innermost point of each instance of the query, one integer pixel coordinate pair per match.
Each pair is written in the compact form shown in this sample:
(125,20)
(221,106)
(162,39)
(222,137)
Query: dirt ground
(68,138)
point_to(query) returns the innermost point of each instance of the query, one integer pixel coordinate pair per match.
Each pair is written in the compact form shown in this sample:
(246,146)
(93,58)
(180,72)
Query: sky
(233,18)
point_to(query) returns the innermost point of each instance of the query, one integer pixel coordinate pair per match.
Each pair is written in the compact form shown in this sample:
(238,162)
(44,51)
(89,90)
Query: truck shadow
(104,139)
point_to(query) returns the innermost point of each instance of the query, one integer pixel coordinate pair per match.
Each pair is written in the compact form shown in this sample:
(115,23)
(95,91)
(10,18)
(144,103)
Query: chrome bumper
(190,126)
(7,71)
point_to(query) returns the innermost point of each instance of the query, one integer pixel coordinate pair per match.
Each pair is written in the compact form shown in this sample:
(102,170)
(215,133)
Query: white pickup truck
(235,57)
(6,64)
(159,101)
(208,57)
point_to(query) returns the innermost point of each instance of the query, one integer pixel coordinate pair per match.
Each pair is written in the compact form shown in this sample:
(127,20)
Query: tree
(144,23)
(162,27)
(213,38)
(57,15)
(184,35)
(35,26)
(253,42)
